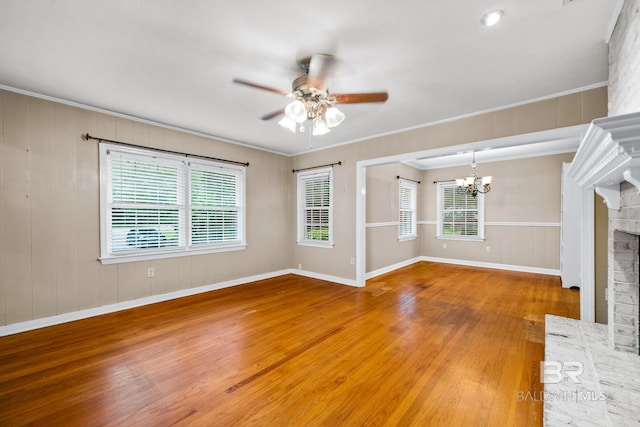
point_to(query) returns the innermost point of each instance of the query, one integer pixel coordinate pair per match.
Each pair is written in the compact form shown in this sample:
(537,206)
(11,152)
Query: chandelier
(314,105)
(474,184)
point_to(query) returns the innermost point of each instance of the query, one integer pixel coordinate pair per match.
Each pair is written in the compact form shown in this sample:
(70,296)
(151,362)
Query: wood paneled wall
(49,213)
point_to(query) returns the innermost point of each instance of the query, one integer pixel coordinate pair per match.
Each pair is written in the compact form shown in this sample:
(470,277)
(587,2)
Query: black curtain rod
(407,179)
(450,180)
(316,167)
(87,137)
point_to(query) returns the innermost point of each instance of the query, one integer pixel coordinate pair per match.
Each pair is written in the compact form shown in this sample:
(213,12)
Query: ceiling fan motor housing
(316,101)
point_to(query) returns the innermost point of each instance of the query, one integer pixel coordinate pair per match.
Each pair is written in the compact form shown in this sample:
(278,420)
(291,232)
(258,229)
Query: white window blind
(460,215)
(149,200)
(407,228)
(215,206)
(315,215)
(146,202)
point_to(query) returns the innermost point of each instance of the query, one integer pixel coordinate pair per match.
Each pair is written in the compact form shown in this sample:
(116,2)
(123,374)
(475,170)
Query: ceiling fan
(311,99)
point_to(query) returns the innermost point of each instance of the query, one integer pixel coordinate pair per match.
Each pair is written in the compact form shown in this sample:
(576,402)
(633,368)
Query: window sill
(325,245)
(407,238)
(463,238)
(132,257)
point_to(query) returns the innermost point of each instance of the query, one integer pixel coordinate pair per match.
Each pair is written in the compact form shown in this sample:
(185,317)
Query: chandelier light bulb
(296,111)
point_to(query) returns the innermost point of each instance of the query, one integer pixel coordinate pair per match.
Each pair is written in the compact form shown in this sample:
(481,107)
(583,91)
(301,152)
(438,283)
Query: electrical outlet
(444,246)
(352,260)
(488,249)
(151,272)
(299,266)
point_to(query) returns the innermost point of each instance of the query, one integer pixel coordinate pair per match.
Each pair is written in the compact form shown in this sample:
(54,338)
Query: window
(460,216)
(407,204)
(156,205)
(315,208)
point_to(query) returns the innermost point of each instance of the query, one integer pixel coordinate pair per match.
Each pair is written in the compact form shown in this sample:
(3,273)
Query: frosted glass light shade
(486,180)
(288,123)
(460,182)
(296,111)
(333,117)
(320,127)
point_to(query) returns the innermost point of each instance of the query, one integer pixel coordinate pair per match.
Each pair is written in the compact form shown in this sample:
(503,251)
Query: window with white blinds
(157,205)
(460,216)
(315,208)
(215,207)
(407,228)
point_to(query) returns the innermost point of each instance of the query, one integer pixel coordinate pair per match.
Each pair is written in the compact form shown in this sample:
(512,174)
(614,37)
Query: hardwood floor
(429,344)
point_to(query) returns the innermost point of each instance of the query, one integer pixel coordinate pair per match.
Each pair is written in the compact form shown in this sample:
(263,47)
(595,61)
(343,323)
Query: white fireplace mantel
(609,153)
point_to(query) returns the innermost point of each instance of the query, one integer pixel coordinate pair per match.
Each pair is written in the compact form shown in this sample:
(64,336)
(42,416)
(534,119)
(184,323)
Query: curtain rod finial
(85,136)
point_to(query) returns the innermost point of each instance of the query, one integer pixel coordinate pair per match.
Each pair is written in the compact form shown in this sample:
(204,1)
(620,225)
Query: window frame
(440,202)
(185,247)
(301,179)
(413,209)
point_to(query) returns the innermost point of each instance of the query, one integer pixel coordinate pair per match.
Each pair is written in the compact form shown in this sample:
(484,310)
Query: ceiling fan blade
(257,86)
(272,115)
(356,98)
(321,67)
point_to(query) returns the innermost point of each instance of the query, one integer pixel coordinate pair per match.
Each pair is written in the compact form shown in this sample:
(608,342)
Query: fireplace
(607,391)
(624,272)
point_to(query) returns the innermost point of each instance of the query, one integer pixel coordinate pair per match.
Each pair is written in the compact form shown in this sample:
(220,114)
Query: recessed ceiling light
(490,19)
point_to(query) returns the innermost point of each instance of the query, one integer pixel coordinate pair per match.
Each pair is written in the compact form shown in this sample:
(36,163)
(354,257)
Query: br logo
(555,372)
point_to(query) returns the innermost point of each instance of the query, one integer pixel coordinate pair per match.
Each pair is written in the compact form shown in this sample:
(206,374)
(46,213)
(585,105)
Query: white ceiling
(173,62)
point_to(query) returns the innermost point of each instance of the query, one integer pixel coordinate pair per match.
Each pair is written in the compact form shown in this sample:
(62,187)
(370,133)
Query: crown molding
(609,154)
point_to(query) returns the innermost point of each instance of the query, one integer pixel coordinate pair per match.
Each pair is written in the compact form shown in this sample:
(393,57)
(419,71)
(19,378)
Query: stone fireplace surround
(608,160)
(608,394)
(623,278)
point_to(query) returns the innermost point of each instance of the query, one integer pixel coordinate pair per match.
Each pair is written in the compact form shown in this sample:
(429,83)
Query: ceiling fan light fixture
(288,123)
(333,117)
(491,18)
(296,111)
(320,127)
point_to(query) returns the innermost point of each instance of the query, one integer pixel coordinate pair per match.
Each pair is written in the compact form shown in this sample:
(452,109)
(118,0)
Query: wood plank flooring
(429,344)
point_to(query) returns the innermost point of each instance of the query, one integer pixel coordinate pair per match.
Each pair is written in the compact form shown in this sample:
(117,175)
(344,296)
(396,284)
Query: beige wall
(523,192)
(49,213)
(383,247)
(49,205)
(553,113)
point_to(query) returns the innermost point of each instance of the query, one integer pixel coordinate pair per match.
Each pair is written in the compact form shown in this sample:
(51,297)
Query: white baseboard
(327,277)
(392,267)
(96,311)
(105,309)
(43,322)
(510,267)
